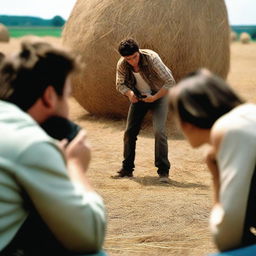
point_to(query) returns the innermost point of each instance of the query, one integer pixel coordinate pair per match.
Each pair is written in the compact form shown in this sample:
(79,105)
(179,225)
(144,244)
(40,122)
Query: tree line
(27,21)
(250,29)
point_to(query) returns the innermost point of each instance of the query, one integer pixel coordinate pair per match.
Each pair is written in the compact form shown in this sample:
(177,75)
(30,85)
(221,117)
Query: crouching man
(143,77)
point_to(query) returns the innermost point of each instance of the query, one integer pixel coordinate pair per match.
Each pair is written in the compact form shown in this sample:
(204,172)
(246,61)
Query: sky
(241,12)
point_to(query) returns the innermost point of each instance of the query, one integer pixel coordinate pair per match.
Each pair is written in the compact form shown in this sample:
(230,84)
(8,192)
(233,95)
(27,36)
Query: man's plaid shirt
(152,69)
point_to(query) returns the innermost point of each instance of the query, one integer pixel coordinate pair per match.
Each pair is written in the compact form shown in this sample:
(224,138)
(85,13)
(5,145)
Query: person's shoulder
(247,109)
(121,63)
(35,138)
(16,124)
(20,131)
(232,122)
(221,127)
(149,56)
(236,118)
(120,60)
(149,52)
(8,110)
(217,134)
(32,155)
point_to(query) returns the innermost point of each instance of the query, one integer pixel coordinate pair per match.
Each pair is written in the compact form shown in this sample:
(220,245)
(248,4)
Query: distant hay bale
(245,38)
(4,34)
(186,34)
(32,38)
(233,36)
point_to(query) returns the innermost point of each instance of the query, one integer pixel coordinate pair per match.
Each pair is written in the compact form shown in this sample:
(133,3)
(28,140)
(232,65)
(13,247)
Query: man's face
(61,107)
(133,59)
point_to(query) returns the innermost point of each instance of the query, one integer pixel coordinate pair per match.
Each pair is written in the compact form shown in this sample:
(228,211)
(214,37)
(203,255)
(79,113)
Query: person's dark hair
(24,78)
(1,57)
(128,47)
(202,97)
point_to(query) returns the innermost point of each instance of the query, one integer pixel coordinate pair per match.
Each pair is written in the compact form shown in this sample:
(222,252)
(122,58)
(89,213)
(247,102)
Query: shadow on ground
(154,181)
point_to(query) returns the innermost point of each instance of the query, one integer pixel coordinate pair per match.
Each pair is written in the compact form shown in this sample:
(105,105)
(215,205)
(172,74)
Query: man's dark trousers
(136,114)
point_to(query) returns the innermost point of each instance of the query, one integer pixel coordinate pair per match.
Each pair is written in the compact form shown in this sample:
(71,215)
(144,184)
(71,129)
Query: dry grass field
(146,217)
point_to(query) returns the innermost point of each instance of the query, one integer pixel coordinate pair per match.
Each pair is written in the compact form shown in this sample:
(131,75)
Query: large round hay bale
(4,34)
(186,34)
(245,38)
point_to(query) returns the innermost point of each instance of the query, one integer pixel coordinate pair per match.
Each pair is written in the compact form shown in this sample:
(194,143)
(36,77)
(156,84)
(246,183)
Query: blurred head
(129,49)
(39,72)
(200,99)
(1,57)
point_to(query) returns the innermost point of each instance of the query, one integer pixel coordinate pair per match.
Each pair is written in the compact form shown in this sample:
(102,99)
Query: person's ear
(187,126)
(49,97)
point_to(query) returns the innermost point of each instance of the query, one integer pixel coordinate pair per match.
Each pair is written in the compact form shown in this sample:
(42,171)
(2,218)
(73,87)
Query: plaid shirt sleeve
(164,72)
(120,79)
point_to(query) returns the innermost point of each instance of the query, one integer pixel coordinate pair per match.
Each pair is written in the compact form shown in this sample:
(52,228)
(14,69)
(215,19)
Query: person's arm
(78,156)
(131,96)
(68,205)
(213,168)
(161,93)
(166,75)
(120,84)
(120,79)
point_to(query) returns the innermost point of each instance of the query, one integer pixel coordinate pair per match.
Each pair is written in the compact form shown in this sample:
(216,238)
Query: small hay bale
(233,36)
(186,34)
(4,34)
(245,38)
(31,38)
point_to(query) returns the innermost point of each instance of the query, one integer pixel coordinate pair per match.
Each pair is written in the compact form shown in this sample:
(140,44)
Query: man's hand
(78,156)
(132,97)
(78,152)
(149,99)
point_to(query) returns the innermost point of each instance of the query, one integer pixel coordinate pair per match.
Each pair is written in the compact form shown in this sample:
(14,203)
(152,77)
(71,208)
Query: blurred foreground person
(47,206)
(1,57)
(210,112)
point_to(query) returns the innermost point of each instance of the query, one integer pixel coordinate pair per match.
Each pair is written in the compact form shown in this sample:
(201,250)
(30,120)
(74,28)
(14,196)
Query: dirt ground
(146,217)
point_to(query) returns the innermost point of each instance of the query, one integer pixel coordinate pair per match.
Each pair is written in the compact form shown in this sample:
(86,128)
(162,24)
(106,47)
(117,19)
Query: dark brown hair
(128,47)
(24,78)
(202,97)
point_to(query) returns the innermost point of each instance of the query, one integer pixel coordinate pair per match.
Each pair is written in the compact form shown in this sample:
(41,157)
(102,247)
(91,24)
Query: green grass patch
(36,31)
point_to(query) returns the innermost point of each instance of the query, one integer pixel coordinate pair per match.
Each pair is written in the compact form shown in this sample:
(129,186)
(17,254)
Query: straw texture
(4,34)
(186,34)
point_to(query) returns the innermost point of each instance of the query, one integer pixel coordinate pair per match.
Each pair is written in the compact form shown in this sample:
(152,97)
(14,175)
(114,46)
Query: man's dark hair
(128,47)
(24,78)
(202,98)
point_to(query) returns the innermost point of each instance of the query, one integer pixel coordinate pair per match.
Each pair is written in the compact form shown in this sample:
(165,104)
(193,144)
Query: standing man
(47,205)
(144,78)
